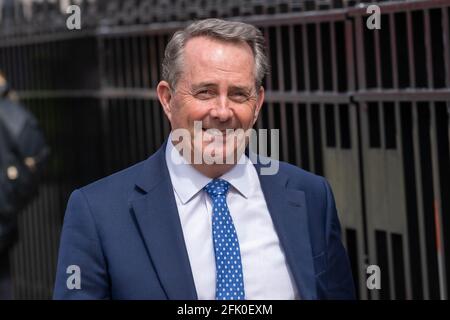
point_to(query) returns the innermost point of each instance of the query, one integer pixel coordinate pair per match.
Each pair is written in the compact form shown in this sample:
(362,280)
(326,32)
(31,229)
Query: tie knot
(217,187)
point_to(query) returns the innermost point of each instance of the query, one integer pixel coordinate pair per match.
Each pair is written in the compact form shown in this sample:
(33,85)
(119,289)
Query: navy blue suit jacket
(124,234)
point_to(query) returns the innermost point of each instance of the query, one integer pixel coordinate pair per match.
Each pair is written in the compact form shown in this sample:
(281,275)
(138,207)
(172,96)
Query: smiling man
(174,228)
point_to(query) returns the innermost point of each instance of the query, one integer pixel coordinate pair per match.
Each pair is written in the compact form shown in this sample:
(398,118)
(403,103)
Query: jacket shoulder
(302,178)
(120,182)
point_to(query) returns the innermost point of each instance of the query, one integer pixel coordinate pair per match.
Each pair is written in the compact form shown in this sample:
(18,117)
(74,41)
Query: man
(173,227)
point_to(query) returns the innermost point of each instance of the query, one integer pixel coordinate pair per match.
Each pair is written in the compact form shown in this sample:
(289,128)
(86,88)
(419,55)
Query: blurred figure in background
(23,153)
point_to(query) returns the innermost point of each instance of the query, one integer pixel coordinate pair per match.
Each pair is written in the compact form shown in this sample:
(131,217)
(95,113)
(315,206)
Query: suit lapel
(289,214)
(158,221)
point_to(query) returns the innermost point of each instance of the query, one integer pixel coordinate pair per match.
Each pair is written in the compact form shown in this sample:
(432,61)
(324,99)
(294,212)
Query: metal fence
(368,109)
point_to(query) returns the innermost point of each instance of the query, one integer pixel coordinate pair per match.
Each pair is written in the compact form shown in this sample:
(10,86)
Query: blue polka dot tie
(229,277)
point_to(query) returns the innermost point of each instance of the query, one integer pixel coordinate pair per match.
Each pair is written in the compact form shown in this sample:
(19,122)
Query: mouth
(215,132)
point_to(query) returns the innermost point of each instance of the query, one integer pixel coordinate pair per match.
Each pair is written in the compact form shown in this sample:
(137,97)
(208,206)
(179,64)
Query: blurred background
(368,109)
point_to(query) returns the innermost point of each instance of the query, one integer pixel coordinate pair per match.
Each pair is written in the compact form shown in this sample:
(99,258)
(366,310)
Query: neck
(213,170)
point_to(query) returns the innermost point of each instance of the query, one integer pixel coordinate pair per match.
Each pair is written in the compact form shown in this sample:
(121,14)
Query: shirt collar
(187,181)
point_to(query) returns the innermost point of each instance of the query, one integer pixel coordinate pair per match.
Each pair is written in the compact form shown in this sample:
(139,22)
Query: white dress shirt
(265,270)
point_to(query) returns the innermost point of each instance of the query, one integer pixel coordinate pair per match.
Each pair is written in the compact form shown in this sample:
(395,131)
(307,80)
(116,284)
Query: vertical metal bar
(145,60)
(48,57)
(39,246)
(60,65)
(41,226)
(32,229)
(284,134)
(363,142)
(54,62)
(337,121)
(103,63)
(140,126)
(38,67)
(297,140)
(42,74)
(46,223)
(323,136)
(271,115)
(12,66)
(293,60)
(377,58)
(121,121)
(380,106)
(14,72)
(421,218)
(26,66)
(360,53)
(333,57)
(319,56)
(446,44)
(429,56)
(118,64)
(33,68)
(355,122)
(407,235)
(394,70)
(310,137)
(391,266)
(409,28)
(42,223)
(55,205)
(131,134)
(305,59)
(53,202)
(19,61)
(437,205)
(46,242)
(279,49)
(128,69)
(153,62)
(20,72)
(136,63)
(113,115)
(102,57)
(8,63)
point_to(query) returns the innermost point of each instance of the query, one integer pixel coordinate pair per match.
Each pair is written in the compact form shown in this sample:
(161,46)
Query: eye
(204,94)
(239,96)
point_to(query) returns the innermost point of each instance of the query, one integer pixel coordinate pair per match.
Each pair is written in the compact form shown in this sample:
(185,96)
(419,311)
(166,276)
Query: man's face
(217,87)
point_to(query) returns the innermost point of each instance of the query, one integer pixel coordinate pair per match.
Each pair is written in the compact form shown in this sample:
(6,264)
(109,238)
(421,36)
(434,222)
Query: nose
(221,111)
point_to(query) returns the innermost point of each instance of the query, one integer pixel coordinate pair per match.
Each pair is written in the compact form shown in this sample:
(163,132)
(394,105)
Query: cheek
(192,109)
(245,115)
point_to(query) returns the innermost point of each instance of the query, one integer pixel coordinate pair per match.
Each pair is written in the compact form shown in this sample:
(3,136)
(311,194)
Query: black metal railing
(368,109)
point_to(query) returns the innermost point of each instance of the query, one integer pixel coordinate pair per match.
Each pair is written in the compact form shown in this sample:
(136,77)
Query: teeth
(215,132)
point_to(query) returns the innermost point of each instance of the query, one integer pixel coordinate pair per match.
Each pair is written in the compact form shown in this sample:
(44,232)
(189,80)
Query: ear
(259,103)
(164,96)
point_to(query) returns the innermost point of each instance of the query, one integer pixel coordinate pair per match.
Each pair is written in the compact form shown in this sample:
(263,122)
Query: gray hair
(219,29)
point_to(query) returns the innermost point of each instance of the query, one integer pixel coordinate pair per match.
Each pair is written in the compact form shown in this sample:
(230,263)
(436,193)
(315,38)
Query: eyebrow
(203,85)
(243,88)
(210,84)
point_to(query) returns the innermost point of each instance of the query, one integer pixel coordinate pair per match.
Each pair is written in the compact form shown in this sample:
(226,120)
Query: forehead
(209,59)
